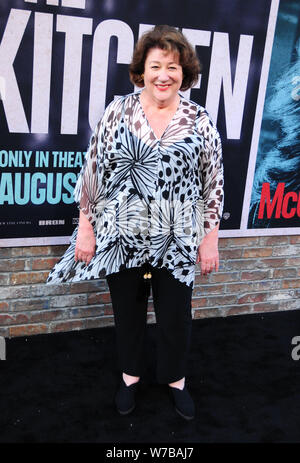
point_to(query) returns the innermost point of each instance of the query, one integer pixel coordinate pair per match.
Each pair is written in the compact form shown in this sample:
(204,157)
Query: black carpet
(241,374)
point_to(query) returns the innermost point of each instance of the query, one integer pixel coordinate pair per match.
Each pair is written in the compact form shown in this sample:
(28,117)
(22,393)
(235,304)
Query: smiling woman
(151,197)
(162,72)
(168,39)
(162,79)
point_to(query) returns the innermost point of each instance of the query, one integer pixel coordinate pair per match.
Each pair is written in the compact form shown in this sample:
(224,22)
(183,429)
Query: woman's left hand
(208,254)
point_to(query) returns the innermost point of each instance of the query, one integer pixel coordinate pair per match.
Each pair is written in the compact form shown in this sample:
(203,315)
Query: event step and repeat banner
(63,61)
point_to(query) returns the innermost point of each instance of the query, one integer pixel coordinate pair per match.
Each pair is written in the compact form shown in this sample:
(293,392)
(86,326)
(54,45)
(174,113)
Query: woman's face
(162,75)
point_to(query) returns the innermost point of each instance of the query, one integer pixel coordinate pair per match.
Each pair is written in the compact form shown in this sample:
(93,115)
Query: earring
(142,76)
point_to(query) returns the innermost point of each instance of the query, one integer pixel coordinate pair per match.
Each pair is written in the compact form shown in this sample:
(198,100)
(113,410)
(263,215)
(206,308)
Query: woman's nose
(163,75)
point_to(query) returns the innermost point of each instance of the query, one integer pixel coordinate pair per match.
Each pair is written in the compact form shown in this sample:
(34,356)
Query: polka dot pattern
(148,199)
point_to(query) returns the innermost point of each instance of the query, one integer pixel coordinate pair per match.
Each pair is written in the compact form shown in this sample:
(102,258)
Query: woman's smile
(162,87)
(162,76)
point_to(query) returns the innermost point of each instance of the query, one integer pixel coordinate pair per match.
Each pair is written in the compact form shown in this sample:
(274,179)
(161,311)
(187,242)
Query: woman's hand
(208,254)
(85,242)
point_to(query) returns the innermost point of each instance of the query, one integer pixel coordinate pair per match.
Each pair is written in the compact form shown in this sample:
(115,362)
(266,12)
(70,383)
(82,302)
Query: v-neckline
(148,123)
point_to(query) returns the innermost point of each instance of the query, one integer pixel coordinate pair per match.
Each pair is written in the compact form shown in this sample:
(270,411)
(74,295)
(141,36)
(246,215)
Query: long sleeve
(150,200)
(211,168)
(89,189)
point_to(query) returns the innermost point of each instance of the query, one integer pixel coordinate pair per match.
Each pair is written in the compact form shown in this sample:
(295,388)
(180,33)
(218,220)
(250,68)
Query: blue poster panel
(275,192)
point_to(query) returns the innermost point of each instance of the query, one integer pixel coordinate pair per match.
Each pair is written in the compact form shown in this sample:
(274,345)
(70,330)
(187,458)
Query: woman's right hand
(85,242)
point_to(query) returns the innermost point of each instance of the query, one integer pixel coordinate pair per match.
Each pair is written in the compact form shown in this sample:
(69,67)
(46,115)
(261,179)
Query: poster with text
(63,61)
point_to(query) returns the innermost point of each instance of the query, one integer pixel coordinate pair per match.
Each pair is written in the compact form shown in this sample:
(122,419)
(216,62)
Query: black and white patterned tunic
(148,199)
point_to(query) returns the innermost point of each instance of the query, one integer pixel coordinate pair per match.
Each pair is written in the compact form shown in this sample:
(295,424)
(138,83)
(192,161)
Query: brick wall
(256,274)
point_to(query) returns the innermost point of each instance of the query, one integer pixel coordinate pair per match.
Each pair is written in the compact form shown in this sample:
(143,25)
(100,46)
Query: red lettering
(285,213)
(265,200)
(280,201)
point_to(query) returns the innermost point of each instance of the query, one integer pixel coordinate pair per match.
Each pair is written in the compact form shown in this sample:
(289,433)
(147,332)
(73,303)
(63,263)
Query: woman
(150,196)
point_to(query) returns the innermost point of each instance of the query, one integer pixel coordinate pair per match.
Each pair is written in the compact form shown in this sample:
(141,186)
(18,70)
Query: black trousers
(172,305)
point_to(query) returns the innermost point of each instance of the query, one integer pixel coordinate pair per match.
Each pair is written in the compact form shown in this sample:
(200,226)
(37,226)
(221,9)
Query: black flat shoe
(184,404)
(125,398)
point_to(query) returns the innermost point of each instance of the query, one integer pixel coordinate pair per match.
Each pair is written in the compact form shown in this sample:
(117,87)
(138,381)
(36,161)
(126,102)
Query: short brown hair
(166,38)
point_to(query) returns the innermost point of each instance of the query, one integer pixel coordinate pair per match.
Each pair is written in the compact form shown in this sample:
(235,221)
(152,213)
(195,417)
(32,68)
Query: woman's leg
(129,302)
(172,304)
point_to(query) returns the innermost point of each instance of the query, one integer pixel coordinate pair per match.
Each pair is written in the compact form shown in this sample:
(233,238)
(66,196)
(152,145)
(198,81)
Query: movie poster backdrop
(63,61)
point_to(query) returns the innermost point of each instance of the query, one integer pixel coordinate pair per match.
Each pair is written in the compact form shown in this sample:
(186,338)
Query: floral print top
(149,200)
